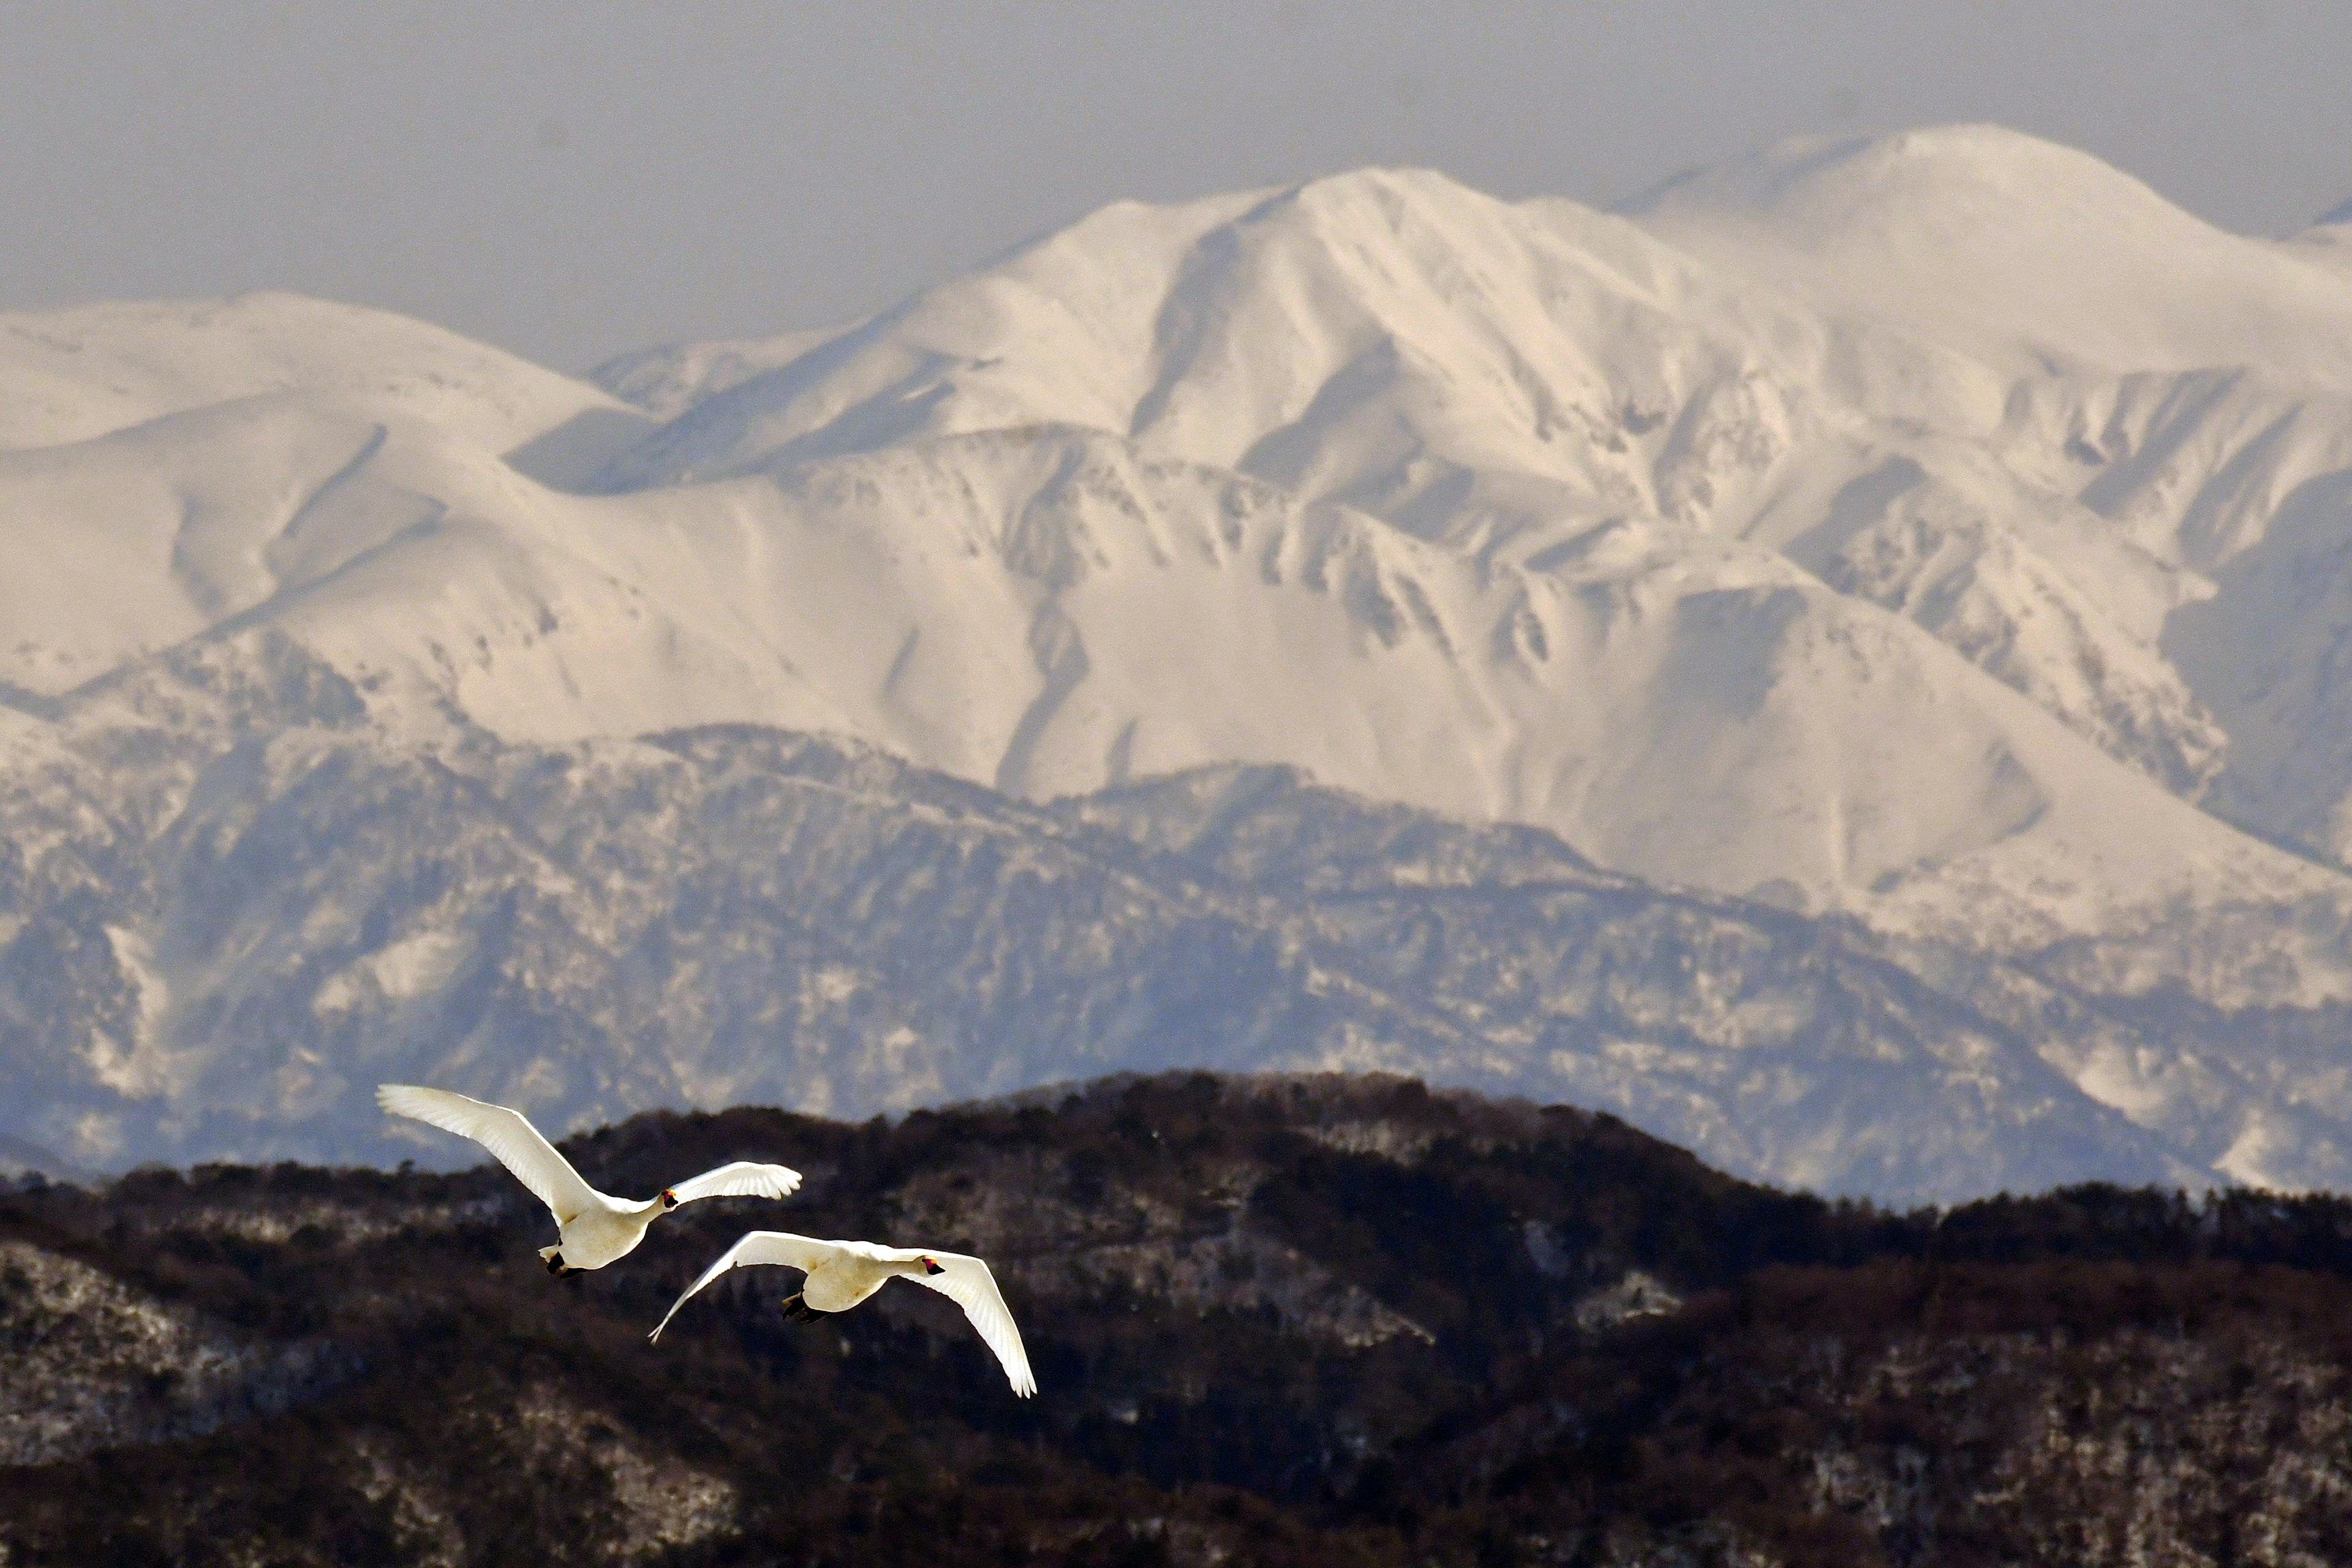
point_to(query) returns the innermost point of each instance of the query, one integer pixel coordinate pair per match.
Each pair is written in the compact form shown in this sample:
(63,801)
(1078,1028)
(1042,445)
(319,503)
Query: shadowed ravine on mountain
(1274,1321)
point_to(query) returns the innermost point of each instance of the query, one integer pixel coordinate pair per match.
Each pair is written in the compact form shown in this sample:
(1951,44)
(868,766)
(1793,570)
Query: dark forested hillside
(1274,1321)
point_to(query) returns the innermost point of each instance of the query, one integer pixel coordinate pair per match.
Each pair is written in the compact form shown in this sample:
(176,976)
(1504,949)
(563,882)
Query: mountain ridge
(1640,528)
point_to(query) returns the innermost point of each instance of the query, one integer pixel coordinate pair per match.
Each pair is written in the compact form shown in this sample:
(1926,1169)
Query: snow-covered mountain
(734,915)
(1551,389)
(1932,538)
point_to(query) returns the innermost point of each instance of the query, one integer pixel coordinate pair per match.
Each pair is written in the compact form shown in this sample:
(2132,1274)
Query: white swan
(595,1229)
(843,1273)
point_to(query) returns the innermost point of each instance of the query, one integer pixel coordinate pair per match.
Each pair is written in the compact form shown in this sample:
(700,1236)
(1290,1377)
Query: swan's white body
(841,1274)
(595,1229)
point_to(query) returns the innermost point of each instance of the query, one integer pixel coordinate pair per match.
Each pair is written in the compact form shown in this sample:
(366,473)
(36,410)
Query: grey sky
(570,181)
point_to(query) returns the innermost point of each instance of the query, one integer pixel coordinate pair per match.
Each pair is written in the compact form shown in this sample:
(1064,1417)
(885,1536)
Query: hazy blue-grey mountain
(262,917)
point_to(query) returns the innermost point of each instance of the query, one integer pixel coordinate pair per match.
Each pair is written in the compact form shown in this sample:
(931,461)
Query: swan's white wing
(504,1133)
(967,1282)
(758,1246)
(740,1180)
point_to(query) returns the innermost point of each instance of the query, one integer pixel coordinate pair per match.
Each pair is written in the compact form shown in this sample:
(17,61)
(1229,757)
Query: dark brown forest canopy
(1274,1321)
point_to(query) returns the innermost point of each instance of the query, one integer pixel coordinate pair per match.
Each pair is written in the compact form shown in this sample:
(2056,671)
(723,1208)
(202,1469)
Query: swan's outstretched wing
(967,1282)
(740,1180)
(757,1246)
(504,1133)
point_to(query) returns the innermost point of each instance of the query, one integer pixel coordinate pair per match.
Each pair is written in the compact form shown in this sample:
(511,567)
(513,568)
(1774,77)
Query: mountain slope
(1004,605)
(1959,372)
(220,950)
(732,915)
(1926,631)
(72,374)
(2013,251)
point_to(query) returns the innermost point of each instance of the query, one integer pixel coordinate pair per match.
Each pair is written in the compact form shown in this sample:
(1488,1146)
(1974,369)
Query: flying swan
(595,1229)
(841,1274)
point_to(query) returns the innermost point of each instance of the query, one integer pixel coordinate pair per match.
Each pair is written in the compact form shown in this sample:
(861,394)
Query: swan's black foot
(800,1311)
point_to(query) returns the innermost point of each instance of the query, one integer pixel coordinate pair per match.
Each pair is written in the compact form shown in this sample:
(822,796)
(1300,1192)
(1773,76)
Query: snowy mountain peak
(2020,253)
(73,374)
(1941,177)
